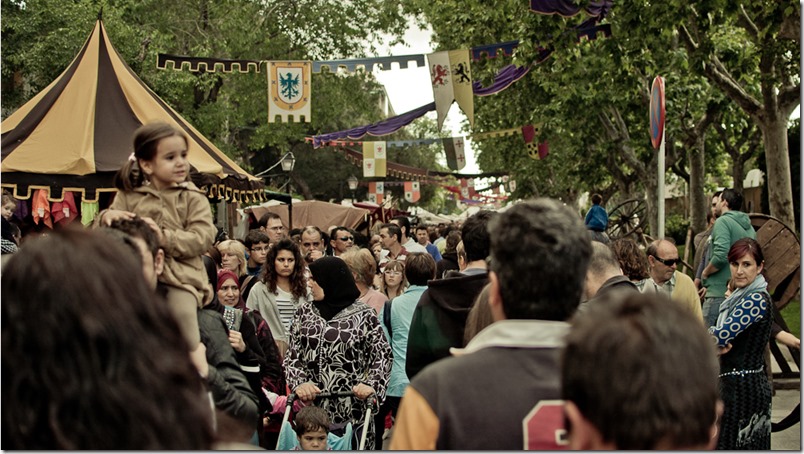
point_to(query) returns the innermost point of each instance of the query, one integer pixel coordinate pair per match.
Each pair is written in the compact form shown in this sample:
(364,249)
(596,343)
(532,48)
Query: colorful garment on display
(89,210)
(41,208)
(65,212)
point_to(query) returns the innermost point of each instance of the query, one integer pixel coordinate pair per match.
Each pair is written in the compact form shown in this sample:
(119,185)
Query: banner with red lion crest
(451,77)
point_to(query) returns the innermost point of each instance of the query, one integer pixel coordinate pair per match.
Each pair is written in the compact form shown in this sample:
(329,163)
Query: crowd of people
(520,329)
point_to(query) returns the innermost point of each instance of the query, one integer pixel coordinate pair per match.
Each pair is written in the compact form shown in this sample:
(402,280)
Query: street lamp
(288,161)
(352,182)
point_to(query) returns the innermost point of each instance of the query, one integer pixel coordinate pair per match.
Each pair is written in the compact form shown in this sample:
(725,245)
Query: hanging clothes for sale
(41,208)
(65,212)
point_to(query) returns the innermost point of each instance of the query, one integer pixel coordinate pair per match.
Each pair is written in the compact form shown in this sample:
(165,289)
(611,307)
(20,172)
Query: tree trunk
(780,189)
(699,205)
(737,174)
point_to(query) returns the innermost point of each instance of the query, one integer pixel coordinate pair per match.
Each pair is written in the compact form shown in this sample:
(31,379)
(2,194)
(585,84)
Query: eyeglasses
(347,238)
(668,262)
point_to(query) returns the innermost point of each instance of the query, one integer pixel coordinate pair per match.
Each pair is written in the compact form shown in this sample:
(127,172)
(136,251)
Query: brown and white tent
(76,133)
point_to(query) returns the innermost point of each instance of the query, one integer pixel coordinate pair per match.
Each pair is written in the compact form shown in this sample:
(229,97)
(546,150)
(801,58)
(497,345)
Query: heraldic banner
(289,90)
(374,159)
(453,147)
(376,190)
(412,193)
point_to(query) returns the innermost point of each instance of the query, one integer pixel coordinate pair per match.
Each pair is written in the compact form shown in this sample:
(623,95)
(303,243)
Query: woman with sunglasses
(394,281)
(742,331)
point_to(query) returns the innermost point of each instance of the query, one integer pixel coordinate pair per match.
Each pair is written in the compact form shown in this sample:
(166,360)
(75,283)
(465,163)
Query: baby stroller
(339,437)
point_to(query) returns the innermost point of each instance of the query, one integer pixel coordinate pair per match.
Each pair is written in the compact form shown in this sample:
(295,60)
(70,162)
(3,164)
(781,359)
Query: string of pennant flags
(374,157)
(290,95)
(290,90)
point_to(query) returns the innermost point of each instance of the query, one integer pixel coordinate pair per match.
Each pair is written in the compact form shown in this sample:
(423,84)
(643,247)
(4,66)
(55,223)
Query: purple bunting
(567,8)
(382,128)
(505,77)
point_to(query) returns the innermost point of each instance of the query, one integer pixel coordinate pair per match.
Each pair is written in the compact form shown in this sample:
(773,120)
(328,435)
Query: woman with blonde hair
(363,267)
(394,281)
(233,256)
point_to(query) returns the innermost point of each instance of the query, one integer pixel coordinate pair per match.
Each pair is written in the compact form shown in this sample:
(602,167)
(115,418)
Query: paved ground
(784,401)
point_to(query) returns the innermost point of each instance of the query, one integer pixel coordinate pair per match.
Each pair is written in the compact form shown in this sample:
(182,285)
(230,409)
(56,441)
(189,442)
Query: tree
(760,75)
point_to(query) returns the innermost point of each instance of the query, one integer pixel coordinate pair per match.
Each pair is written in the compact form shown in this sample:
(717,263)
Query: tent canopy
(76,133)
(313,212)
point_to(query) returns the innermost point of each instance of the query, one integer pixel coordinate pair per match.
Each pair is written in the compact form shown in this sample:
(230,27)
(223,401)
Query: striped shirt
(284,302)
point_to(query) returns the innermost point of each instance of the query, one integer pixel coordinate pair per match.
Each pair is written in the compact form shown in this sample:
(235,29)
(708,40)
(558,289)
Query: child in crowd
(312,427)
(9,205)
(154,185)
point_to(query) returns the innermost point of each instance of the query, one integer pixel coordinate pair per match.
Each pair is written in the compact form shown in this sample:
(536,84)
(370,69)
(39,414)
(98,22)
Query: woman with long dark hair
(91,357)
(281,290)
(742,332)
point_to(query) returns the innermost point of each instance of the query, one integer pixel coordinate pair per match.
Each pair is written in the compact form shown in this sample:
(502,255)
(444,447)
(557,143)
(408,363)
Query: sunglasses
(668,262)
(347,238)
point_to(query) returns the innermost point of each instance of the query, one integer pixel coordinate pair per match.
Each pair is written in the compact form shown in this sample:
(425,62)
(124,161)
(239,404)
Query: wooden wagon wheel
(782,251)
(627,218)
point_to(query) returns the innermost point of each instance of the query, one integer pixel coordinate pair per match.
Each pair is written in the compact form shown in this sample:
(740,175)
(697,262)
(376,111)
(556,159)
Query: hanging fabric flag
(376,190)
(374,159)
(441,79)
(453,146)
(451,77)
(529,133)
(412,193)
(467,187)
(543,150)
(462,82)
(289,90)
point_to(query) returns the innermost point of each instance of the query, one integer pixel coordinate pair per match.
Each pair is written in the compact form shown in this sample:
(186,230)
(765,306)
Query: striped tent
(75,134)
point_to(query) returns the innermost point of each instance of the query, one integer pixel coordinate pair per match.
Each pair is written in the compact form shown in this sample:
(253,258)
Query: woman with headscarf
(336,345)
(254,346)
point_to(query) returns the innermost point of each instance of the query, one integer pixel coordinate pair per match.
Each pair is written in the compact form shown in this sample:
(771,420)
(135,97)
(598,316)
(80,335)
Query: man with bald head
(604,277)
(665,278)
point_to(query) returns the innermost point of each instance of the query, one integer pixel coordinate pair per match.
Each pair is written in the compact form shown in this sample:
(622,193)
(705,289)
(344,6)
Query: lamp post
(352,182)
(288,161)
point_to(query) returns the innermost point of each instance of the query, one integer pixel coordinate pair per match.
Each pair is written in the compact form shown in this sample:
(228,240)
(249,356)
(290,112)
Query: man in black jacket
(440,317)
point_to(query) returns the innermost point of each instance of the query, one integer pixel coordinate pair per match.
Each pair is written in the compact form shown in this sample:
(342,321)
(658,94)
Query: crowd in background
(493,333)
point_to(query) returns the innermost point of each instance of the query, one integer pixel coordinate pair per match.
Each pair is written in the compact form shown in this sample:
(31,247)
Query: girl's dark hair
(146,139)
(91,358)
(311,418)
(268,274)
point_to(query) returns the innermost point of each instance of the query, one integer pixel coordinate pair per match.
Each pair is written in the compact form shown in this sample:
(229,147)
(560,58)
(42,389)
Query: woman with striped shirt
(281,290)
